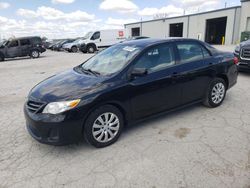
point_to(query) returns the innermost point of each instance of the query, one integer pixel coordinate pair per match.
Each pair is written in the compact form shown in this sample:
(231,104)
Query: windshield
(78,41)
(88,35)
(2,43)
(111,60)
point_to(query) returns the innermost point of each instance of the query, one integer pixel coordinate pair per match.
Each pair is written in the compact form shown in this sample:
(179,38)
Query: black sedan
(125,83)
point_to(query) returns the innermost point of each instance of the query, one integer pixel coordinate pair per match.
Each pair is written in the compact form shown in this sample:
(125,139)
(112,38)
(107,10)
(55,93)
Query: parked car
(20,47)
(73,46)
(242,52)
(59,45)
(101,39)
(124,83)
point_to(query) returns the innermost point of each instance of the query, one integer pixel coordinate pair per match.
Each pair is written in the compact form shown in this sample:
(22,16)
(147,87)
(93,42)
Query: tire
(101,134)
(74,49)
(216,93)
(34,54)
(91,49)
(1,58)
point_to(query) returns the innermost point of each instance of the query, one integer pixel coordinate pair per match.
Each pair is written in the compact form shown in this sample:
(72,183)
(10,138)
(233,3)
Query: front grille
(34,106)
(245,53)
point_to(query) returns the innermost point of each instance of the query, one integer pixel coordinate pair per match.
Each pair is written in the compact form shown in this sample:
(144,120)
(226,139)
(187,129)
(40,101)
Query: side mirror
(139,72)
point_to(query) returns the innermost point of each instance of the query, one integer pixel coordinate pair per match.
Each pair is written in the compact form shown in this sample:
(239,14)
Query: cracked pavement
(193,147)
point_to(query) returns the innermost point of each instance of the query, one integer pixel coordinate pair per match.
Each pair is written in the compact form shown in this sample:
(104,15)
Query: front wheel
(1,58)
(74,49)
(103,126)
(34,54)
(216,93)
(91,49)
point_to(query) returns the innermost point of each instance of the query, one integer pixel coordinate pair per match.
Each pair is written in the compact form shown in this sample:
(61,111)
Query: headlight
(58,107)
(237,49)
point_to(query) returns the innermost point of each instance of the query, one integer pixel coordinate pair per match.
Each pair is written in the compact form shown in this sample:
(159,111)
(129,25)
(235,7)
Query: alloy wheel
(105,127)
(218,93)
(35,54)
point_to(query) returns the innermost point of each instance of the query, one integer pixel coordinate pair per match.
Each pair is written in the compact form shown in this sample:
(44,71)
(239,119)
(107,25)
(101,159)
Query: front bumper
(243,64)
(50,129)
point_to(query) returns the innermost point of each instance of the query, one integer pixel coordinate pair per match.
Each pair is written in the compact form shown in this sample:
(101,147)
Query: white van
(101,39)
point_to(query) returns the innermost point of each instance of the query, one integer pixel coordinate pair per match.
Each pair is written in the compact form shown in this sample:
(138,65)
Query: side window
(36,40)
(95,36)
(206,54)
(13,43)
(24,42)
(189,52)
(157,58)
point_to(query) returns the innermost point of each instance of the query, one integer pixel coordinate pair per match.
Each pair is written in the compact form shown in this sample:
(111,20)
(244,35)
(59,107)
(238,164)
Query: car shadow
(159,118)
(19,58)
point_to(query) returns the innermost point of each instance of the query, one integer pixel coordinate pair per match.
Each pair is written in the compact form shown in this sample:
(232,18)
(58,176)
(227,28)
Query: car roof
(20,38)
(149,41)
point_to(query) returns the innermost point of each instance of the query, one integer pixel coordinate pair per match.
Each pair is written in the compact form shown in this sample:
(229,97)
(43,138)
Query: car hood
(67,85)
(245,43)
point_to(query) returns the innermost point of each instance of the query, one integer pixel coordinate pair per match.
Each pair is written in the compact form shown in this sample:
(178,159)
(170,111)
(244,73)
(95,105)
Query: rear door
(158,90)
(194,69)
(25,47)
(13,49)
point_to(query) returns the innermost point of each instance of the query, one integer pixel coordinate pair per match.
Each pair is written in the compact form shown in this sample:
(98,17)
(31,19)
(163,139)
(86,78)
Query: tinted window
(189,52)
(24,42)
(157,58)
(95,36)
(36,40)
(205,52)
(13,43)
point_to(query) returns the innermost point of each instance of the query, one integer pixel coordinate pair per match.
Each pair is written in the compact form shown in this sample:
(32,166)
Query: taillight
(236,60)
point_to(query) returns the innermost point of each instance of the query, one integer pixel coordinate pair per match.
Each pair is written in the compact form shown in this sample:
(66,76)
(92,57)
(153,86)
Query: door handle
(175,75)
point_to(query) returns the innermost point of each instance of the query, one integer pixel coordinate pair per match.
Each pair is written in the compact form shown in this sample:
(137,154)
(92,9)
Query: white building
(215,27)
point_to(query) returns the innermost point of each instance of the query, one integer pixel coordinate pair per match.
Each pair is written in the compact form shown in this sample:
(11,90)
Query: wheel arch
(91,44)
(112,103)
(225,78)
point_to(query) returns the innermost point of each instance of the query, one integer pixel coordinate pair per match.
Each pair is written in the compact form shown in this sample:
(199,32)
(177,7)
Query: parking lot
(192,147)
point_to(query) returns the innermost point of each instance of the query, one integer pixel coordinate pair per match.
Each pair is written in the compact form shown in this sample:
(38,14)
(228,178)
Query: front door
(96,38)
(159,89)
(13,49)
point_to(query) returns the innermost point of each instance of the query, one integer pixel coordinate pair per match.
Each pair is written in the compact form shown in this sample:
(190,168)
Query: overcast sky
(73,18)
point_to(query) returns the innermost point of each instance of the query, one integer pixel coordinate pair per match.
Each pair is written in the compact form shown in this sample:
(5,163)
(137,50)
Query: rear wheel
(74,49)
(216,93)
(103,126)
(35,54)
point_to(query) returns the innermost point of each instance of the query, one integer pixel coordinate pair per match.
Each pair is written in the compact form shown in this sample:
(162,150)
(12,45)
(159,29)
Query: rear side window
(24,42)
(157,58)
(13,43)
(36,40)
(190,52)
(206,54)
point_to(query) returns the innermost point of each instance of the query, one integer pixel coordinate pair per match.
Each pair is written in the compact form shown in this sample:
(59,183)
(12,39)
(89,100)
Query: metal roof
(187,15)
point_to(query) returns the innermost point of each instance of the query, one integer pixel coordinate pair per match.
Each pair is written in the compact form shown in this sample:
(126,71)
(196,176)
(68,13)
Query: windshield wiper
(91,71)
